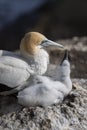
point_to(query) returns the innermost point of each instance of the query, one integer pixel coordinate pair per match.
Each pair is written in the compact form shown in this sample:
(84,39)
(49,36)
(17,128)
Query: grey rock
(71,114)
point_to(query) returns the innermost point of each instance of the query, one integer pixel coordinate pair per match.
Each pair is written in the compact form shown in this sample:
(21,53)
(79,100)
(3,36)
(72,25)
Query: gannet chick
(44,91)
(15,69)
(63,70)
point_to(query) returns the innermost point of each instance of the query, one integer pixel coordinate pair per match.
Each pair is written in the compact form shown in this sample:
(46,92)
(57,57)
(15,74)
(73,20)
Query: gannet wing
(7,53)
(16,89)
(13,71)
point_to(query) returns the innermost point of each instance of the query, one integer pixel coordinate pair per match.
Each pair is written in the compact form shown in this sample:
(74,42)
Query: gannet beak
(66,57)
(47,43)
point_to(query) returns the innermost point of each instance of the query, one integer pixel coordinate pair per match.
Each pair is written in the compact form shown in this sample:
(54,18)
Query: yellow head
(33,41)
(30,42)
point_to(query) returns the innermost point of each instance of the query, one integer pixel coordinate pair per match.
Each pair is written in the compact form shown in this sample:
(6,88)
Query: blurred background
(64,21)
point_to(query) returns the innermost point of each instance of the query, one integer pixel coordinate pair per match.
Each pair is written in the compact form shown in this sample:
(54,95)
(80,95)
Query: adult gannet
(44,91)
(15,69)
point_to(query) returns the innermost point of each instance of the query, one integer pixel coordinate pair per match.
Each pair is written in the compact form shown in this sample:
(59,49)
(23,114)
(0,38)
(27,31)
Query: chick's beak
(47,43)
(66,57)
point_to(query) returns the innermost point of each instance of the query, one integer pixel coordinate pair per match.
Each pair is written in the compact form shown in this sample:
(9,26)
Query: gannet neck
(65,74)
(67,81)
(65,68)
(38,62)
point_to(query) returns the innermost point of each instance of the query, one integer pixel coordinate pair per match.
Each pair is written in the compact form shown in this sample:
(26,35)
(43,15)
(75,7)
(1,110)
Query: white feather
(44,91)
(14,69)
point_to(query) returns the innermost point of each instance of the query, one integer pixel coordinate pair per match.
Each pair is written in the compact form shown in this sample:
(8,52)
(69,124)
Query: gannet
(15,69)
(44,91)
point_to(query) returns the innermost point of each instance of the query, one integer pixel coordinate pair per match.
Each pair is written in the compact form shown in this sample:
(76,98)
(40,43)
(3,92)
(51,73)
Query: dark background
(57,19)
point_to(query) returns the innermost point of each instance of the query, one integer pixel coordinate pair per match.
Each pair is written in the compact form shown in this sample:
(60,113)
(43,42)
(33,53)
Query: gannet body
(15,69)
(44,91)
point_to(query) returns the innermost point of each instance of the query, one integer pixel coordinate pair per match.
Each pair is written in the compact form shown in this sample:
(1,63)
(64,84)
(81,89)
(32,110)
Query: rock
(71,114)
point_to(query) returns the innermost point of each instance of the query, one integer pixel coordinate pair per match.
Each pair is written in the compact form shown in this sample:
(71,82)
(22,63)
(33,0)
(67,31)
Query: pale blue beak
(47,43)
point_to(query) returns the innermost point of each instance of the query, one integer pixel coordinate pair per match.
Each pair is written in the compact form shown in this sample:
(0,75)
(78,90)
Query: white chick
(44,91)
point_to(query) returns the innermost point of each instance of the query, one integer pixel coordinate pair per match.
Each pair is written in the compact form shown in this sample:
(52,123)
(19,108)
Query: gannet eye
(43,43)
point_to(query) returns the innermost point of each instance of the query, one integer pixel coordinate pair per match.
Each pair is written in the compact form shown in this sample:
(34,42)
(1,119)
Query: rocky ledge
(71,114)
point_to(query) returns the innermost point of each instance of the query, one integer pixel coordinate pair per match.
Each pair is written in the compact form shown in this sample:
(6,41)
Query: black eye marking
(43,42)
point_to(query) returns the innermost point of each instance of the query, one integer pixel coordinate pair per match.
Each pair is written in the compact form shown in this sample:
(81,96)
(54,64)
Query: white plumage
(15,69)
(44,91)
